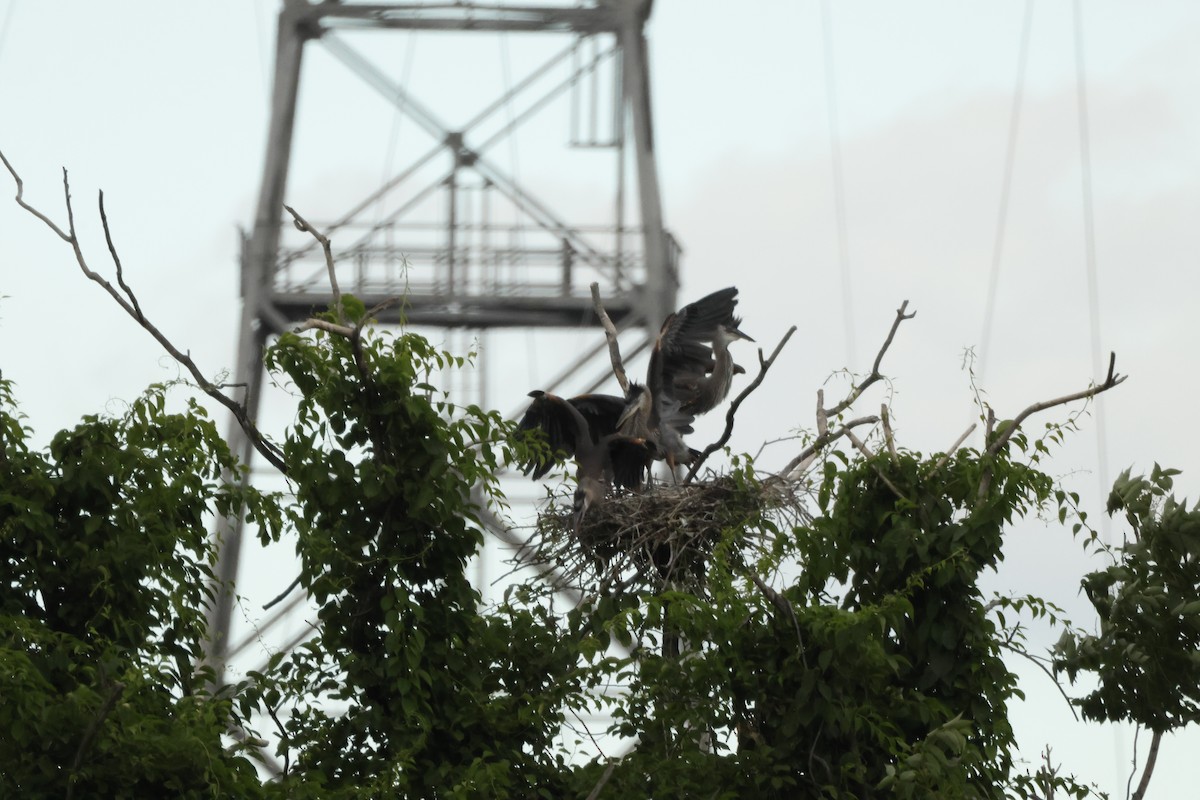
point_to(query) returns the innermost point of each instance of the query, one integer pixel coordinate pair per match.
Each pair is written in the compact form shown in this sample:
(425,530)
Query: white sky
(164,106)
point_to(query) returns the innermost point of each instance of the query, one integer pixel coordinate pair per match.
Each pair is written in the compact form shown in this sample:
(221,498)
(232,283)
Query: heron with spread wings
(585,427)
(691,371)
(614,440)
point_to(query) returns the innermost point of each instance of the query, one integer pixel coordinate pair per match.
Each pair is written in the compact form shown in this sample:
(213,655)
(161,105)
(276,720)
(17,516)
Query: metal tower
(443,244)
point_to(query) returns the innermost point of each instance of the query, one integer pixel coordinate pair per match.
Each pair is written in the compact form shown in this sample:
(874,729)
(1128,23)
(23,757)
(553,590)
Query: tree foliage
(851,655)
(843,652)
(1146,655)
(106,566)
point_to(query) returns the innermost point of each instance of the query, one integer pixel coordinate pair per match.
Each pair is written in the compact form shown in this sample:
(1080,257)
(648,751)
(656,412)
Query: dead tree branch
(888,436)
(824,435)
(1111,380)
(303,226)
(132,308)
(610,332)
(941,462)
(327,326)
(868,455)
(763,366)
(827,438)
(1002,437)
(112,250)
(875,375)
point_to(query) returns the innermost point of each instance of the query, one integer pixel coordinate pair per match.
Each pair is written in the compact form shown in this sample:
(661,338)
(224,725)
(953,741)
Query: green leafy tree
(106,566)
(1145,657)
(772,636)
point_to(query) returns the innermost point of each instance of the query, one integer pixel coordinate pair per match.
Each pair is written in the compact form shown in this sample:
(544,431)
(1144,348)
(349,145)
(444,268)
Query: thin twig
(381,305)
(610,332)
(875,375)
(1021,652)
(1001,439)
(588,731)
(763,366)
(1137,729)
(941,462)
(825,439)
(112,249)
(21,201)
(303,225)
(265,448)
(1113,379)
(283,739)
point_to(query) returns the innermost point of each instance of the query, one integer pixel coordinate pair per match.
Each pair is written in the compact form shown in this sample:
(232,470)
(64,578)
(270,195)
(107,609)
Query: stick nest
(661,536)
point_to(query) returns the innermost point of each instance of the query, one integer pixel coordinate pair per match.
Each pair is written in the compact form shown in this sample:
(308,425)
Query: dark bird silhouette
(690,373)
(585,427)
(614,439)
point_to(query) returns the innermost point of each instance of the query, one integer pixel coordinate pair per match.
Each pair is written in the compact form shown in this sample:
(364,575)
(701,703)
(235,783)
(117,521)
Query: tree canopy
(815,633)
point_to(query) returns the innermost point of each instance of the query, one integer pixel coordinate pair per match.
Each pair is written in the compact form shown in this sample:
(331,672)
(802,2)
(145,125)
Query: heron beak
(736,333)
(581,507)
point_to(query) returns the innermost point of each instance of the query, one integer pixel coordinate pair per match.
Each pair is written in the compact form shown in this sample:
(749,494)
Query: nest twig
(660,537)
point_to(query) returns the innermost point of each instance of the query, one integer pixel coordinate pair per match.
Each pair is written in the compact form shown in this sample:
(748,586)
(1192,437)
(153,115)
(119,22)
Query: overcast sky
(164,107)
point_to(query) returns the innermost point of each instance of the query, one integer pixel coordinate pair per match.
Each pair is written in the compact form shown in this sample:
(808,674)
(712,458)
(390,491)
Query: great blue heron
(614,439)
(584,427)
(690,373)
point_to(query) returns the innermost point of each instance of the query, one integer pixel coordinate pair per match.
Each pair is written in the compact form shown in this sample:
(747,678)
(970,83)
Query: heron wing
(683,354)
(630,457)
(600,411)
(561,425)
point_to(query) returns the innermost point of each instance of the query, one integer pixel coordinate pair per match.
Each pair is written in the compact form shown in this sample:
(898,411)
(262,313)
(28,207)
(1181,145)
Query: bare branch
(1112,379)
(867,454)
(875,375)
(112,250)
(330,327)
(888,437)
(1137,729)
(763,366)
(303,225)
(610,332)
(825,439)
(131,307)
(20,198)
(1036,662)
(950,451)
